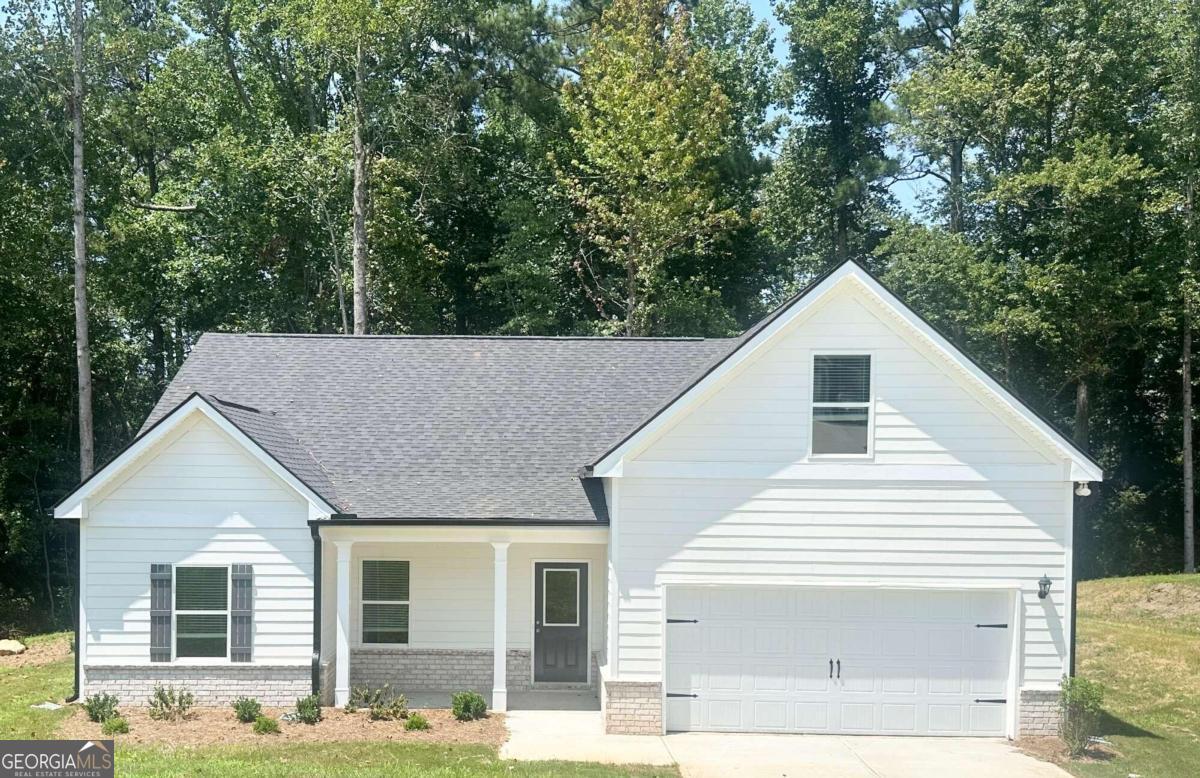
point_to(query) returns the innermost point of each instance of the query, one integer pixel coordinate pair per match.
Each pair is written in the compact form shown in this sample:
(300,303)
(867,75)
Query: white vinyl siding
(953,496)
(198,499)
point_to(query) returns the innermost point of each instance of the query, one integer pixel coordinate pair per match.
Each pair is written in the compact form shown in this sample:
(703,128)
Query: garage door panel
(912,662)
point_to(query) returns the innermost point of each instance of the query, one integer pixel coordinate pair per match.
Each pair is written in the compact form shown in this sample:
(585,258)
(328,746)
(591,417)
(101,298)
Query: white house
(834,523)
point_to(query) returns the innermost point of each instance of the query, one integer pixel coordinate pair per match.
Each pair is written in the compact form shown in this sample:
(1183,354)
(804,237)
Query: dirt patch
(218,726)
(1053,750)
(43,652)
(1170,601)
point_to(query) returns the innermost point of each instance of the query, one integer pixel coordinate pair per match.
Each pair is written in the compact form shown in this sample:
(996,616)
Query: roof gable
(771,330)
(248,427)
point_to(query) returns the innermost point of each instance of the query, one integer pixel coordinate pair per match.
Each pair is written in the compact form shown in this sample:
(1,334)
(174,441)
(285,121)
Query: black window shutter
(241,614)
(160,613)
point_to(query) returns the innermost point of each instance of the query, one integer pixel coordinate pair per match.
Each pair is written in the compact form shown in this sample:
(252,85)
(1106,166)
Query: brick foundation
(1039,714)
(441,669)
(132,685)
(633,708)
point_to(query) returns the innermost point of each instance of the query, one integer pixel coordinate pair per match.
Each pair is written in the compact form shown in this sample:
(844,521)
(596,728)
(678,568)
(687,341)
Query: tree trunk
(360,202)
(1189,473)
(83,354)
(631,301)
(49,585)
(956,183)
(1081,414)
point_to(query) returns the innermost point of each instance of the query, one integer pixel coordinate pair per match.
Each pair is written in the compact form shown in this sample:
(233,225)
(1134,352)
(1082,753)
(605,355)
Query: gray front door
(560,617)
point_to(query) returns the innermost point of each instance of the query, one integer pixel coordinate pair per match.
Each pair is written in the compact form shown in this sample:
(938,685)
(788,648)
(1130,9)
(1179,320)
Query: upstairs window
(384,601)
(841,410)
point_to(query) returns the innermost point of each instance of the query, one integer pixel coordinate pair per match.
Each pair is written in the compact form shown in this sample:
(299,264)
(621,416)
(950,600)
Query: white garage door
(837,660)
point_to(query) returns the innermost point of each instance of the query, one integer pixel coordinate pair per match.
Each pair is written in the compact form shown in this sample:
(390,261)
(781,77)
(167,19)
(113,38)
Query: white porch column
(341,688)
(500,629)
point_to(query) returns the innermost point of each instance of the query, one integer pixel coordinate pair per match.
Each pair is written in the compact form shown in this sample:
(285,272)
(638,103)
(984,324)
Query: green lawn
(1143,644)
(22,687)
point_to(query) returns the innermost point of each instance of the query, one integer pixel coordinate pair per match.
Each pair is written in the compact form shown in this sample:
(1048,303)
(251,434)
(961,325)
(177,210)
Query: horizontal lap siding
(753,518)
(202,500)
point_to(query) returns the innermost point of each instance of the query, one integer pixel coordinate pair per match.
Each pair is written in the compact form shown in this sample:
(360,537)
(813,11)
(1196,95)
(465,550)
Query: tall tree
(83,353)
(649,124)
(831,174)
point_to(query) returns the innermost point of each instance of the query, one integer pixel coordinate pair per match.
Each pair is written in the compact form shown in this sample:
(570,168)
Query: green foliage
(115,725)
(416,722)
(168,704)
(394,709)
(308,709)
(468,706)
(265,725)
(100,707)
(1080,702)
(247,709)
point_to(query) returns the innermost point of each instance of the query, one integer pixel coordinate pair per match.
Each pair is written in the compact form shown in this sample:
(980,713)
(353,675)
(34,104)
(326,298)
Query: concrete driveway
(579,736)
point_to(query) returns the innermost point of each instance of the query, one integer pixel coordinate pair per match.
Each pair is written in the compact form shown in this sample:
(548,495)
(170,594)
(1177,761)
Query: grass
(21,687)
(1143,644)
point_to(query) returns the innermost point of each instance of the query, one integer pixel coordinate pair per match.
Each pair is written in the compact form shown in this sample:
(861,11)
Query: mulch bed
(1053,750)
(218,726)
(41,653)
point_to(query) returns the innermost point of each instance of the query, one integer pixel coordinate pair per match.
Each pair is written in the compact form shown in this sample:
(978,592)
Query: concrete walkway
(579,736)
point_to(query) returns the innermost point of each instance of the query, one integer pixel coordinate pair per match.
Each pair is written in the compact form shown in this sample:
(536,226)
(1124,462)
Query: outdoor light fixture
(1044,586)
(1082,489)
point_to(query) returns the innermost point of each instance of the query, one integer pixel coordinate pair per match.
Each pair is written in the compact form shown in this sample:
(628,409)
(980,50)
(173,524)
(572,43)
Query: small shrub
(416,721)
(396,708)
(308,709)
(265,725)
(468,706)
(115,725)
(100,707)
(246,709)
(167,704)
(365,697)
(1080,702)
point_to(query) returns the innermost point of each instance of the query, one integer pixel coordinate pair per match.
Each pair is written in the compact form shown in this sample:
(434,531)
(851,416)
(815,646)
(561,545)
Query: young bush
(468,706)
(167,704)
(1080,702)
(265,725)
(396,708)
(308,709)
(115,725)
(246,709)
(416,721)
(100,707)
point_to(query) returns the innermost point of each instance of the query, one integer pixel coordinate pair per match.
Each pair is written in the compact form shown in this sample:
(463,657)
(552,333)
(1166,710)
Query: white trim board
(849,274)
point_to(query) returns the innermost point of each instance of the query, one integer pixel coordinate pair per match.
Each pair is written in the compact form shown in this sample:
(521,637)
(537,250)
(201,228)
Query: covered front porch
(516,613)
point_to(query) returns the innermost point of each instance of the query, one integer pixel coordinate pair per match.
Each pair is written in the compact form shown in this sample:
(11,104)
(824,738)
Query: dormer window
(841,409)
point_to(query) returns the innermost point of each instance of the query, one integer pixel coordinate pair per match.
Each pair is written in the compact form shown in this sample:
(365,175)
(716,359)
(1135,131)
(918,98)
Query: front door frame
(533,613)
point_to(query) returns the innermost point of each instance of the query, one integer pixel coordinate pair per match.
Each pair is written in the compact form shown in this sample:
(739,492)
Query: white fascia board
(612,464)
(74,505)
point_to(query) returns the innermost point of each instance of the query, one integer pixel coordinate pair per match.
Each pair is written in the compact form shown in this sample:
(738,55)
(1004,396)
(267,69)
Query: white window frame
(361,602)
(576,571)
(869,404)
(175,613)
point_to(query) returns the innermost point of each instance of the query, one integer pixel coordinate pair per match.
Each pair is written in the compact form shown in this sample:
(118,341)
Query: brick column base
(633,708)
(1039,714)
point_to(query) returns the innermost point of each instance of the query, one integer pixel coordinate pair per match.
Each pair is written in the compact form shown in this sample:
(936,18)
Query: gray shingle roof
(440,427)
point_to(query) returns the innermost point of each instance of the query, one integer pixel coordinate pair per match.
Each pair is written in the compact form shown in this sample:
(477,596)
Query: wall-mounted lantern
(1044,587)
